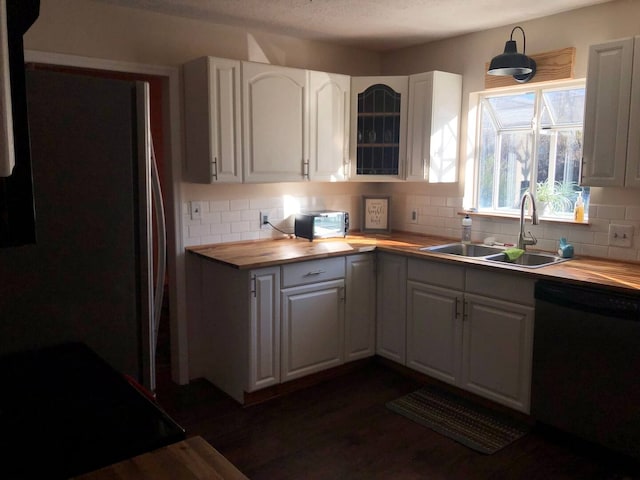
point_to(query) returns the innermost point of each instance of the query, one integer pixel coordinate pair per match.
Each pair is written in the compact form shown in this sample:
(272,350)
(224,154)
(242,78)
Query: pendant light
(512,63)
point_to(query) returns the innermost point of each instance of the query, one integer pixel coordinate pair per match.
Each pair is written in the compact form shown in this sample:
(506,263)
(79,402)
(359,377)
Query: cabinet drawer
(312,271)
(435,273)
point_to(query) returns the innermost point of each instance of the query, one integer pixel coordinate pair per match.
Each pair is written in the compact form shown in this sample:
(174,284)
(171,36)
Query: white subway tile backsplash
(220,228)
(199,230)
(230,217)
(219,205)
(611,212)
(239,227)
(238,220)
(211,217)
(239,204)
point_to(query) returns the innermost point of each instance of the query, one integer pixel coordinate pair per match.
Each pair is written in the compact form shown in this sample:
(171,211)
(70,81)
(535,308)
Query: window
(528,137)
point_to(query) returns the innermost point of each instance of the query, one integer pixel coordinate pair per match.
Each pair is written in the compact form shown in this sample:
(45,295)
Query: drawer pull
(316,272)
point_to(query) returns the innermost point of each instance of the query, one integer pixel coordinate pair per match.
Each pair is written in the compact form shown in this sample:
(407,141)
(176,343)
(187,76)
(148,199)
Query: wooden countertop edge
(580,270)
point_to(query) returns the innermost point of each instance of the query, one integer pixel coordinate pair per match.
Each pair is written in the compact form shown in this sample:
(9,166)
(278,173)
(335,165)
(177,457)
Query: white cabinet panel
(312,328)
(434,331)
(606,117)
(213,143)
(329,96)
(632,178)
(275,111)
(360,307)
(497,350)
(391,297)
(264,368)
(312,271)
(433,126)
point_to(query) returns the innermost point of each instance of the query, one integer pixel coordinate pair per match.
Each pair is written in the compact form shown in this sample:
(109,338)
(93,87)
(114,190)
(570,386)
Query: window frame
(474,131)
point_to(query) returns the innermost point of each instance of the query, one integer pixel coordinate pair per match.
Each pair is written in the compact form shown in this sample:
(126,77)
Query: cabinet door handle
(316,272)
(214,168)
(305,168)
(253,285)
(343,294)
(465,310)
(456,313)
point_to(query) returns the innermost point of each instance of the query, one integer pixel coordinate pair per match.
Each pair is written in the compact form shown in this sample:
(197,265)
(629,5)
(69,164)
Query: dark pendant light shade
(512,63)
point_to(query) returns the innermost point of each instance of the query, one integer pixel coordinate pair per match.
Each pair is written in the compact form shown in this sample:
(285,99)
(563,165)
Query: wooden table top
(191,459)
(262,253)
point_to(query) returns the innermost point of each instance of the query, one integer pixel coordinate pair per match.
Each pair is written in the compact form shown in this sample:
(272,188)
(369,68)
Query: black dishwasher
(586,364)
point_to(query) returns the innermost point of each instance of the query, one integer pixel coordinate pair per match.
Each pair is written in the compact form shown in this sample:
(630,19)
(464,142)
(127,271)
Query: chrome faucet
(523,239)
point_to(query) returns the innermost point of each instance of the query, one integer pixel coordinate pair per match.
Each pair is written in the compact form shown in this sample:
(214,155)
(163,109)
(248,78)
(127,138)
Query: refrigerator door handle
(161,235)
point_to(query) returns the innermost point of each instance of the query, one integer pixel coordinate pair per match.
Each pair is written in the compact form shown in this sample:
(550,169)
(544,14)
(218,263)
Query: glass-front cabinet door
(378,127)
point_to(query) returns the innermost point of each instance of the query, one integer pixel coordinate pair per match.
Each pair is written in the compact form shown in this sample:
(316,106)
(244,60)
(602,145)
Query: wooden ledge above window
(553,65)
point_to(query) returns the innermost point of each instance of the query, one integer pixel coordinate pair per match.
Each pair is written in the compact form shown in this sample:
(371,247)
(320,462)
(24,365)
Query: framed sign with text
(375,213)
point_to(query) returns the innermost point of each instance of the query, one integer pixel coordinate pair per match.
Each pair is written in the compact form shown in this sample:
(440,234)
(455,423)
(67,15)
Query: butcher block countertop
(264,253)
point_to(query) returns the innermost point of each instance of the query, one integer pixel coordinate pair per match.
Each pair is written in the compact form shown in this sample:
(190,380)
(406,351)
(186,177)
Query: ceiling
(379,25)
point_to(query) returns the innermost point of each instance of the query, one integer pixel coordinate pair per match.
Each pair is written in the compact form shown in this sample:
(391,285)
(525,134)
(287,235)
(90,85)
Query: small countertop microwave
(321,224)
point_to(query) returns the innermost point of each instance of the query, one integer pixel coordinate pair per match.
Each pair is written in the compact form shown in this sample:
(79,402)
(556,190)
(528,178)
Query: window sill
(517,217)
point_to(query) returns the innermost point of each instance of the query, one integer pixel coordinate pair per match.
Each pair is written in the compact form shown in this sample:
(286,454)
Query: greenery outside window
(530,137)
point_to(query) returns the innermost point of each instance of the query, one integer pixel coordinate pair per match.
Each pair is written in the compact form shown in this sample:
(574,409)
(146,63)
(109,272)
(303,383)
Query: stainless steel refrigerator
(90,276)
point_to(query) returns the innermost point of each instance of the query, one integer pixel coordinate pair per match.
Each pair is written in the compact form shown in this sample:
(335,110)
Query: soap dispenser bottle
(578,209)
(466,229)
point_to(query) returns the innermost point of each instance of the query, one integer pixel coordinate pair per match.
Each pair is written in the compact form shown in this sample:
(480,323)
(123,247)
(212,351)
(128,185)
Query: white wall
(467,56)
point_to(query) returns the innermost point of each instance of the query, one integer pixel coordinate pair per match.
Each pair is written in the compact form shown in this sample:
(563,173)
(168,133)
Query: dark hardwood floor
(340,429)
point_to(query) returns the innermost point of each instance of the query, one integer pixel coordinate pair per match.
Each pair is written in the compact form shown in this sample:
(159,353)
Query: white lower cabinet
(466,326)
(498,337)
(434,318)
(360,307)
(434,331)
(391,287)
(312,328)
(480,341)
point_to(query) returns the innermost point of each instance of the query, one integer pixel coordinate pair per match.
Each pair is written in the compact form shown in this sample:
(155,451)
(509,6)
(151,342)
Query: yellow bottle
(578,209)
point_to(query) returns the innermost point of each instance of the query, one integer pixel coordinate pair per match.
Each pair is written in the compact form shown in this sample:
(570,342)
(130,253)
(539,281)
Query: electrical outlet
(264,219)
(620,235)
(413,216)
(195,209)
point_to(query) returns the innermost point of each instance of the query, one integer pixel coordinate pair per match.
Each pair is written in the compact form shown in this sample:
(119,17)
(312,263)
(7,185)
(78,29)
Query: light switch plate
(413,215)
(195,210)
(620,235)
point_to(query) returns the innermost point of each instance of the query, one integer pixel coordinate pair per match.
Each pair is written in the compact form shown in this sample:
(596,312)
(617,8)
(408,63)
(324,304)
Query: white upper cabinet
(329,96)
(632,176)
(612,115)
(406,128)
(435,100)
(378,127)
(212,121)
(275,112)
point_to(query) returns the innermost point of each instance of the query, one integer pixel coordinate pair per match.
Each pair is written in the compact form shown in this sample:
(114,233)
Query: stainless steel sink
(528,259)
(464,249)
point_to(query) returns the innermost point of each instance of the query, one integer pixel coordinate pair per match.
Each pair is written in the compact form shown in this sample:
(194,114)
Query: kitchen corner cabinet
(312,317)
(611,151)
(433,126)
(391,287)
(213,146)
(360,307)
(329,107)
(275,112)
(378,127)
